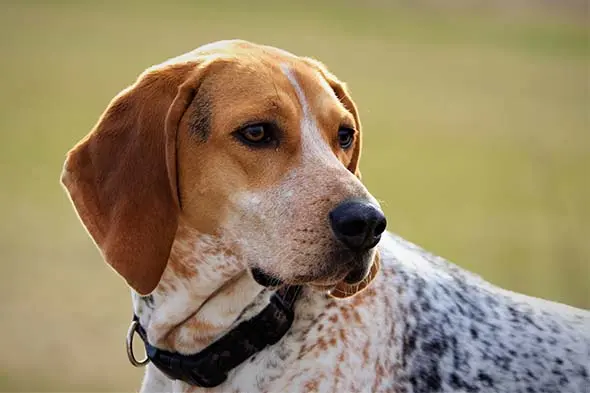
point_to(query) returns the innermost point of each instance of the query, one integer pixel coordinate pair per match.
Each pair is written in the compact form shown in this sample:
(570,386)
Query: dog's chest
(423,326)
(329,347)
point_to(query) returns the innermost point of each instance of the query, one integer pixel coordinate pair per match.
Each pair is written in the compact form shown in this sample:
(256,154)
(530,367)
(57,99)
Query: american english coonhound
(223,186)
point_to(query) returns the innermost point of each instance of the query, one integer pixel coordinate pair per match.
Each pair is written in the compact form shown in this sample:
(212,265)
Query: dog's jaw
(205,287)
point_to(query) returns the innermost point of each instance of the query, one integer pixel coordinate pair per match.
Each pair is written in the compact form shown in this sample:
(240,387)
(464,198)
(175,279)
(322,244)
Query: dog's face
(257,147)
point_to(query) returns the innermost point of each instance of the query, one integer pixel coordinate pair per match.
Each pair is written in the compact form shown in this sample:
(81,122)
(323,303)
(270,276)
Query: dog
(225,179)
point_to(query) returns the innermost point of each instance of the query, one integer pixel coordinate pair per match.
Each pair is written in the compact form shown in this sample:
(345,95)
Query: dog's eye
(345,137)
(255,135)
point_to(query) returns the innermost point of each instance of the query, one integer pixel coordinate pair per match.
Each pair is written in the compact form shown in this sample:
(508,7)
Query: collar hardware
(210,367)
(133,328)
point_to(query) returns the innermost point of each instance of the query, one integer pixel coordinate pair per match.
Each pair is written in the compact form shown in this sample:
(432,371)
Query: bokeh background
(477,140)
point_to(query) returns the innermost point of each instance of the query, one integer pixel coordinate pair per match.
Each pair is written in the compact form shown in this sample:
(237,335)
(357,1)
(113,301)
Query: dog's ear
(345,98)
(121,177)
(344,290)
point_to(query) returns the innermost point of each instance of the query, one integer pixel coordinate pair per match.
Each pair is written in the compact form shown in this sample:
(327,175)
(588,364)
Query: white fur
(377,339)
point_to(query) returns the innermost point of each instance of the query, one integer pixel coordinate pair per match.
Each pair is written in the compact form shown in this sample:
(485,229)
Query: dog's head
(243,142)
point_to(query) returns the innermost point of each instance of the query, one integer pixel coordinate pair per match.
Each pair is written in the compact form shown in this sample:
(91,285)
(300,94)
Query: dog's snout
(357,224)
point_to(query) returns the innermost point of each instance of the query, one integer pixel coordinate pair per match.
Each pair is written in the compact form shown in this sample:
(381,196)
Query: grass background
(477,140)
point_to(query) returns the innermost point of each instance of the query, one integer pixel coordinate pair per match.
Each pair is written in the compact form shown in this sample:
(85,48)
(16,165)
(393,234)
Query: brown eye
(255,135)
(345,137)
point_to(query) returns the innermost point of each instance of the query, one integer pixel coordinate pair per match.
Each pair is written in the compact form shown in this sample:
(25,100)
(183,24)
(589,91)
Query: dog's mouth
(357,275)
(265,279)
(351,276)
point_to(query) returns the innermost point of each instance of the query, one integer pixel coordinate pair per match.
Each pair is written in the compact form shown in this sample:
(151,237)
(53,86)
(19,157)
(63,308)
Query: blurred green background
(477,140)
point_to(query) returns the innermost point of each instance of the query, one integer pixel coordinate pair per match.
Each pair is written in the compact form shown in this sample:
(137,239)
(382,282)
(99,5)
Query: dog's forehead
(259,73)
(312,90)
(240,48)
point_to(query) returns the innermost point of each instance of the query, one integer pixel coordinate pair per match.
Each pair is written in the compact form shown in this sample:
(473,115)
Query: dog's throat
(210,367)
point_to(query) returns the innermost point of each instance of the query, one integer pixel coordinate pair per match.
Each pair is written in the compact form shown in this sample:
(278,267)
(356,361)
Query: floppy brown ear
(121,177)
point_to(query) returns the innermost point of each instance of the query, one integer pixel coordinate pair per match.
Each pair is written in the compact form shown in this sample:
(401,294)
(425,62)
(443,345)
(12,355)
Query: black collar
(209,367)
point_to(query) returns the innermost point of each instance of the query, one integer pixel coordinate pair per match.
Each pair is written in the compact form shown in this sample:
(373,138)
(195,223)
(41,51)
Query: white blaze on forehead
(315,151)
(312,143)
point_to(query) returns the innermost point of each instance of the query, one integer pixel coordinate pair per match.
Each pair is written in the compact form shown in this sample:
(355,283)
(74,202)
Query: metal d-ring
(129,343)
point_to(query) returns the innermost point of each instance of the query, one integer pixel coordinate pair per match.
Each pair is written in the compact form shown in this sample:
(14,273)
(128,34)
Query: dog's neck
(203,291)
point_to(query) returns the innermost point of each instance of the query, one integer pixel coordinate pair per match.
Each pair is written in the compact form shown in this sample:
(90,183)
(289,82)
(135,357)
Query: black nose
(358,225)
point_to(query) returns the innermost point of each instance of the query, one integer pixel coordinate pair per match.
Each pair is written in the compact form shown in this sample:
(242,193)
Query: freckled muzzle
(356,227)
